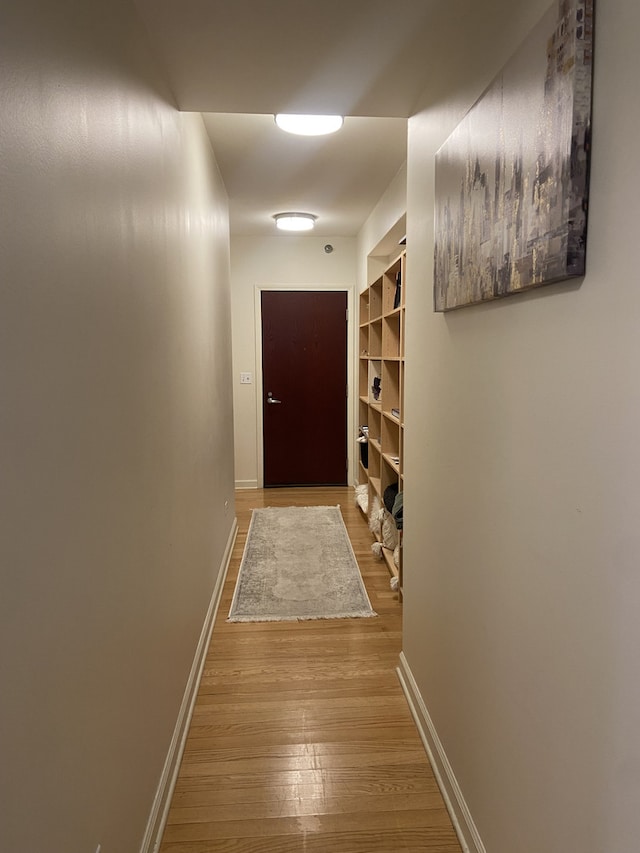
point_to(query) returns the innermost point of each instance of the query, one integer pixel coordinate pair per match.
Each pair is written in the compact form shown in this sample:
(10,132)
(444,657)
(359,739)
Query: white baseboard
(162,801)
(246,484)
(463,824)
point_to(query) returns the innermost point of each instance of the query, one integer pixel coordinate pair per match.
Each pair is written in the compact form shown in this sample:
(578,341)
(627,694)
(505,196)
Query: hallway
(301,738)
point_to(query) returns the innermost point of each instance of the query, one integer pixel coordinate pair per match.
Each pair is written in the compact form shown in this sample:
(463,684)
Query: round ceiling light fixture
(304,125)
(295,221)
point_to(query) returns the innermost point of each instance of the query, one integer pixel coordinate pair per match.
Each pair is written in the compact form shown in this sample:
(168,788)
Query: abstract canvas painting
(512,179)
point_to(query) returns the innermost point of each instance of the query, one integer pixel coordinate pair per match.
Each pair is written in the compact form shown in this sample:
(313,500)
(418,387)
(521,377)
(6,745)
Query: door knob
(271,399)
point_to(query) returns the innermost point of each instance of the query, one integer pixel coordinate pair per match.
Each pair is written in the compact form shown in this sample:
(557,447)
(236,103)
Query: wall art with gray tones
(512,179)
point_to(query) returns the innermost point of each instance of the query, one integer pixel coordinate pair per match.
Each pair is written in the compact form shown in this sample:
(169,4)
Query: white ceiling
(339,178)
(240,61)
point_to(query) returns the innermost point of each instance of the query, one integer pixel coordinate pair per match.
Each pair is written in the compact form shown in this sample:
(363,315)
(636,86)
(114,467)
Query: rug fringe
(369,614)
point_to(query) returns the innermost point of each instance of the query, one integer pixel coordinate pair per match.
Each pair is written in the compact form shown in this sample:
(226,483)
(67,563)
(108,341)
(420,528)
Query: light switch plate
(246,379)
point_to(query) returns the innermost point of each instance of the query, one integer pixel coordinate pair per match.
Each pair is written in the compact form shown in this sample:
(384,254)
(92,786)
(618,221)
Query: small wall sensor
(328,248)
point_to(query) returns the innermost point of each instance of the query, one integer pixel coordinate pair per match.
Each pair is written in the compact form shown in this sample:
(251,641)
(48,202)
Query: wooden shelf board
(388,558)
(390,461)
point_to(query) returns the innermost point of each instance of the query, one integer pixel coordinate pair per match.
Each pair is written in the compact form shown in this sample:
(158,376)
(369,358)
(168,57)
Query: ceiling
(339,178)
(240,61)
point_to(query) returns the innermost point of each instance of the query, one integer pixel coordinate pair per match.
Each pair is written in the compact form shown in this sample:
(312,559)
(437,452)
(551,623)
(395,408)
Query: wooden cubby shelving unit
(381,356)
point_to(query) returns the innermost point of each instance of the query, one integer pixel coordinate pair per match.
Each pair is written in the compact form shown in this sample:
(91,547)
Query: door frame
(351,380)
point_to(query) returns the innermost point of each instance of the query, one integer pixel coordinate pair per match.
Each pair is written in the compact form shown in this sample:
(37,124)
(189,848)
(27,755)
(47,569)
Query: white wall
(385,225)
(522,588)
(115,421)
(272,261)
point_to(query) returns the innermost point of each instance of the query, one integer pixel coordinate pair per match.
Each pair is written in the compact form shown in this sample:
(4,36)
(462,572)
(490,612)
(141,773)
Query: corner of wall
(166,785)
(457,807)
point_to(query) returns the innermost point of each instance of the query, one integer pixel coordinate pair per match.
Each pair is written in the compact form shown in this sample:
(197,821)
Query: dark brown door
(304,383)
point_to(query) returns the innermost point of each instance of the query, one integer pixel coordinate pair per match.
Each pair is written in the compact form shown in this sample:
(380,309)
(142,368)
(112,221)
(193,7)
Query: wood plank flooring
(301,739)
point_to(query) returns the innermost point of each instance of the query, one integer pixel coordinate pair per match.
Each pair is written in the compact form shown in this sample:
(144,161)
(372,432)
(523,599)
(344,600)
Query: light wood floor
(301,739)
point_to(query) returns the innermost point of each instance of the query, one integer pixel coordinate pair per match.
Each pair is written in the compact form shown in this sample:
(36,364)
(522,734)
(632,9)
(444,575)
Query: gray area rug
(298,563)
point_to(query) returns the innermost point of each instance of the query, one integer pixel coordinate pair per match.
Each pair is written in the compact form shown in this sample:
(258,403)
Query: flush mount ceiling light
(295,221)
(308,125)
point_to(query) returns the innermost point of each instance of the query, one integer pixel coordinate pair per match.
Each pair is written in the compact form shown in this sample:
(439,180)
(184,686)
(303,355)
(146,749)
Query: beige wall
(281,260)
(385,225)
(115,421)
(522,588)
